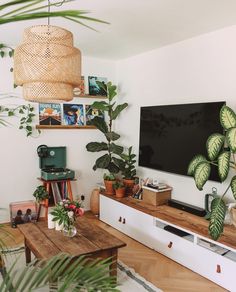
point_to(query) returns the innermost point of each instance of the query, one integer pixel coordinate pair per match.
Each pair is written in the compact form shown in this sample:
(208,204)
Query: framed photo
(49,114)
(73,114)
(91,113)
(23,212)
(94,89)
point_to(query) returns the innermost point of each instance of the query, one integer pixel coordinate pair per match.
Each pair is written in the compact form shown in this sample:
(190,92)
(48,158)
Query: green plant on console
(40,194)
(221,151)
(109,176)
(118,185)
(129,170)
(111,159)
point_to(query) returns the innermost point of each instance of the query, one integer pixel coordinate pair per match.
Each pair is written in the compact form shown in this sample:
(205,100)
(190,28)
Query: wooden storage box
(156,197)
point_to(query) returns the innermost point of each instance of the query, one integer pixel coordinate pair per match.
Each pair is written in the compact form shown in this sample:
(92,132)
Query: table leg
(27,254)
(113,266)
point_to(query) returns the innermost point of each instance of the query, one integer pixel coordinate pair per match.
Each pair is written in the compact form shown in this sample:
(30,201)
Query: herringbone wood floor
(154,267)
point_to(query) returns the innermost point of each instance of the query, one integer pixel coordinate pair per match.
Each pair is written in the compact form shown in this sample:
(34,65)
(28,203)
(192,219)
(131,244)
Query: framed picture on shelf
(80,90)
(49,114)
(91,113)
(73,114)
(23,212)
(94,89)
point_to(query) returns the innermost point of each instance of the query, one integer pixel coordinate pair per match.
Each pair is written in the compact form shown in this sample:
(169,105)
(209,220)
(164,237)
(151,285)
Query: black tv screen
(170,135)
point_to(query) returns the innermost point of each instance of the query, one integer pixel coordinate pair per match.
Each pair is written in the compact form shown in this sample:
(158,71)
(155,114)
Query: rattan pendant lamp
(46,64)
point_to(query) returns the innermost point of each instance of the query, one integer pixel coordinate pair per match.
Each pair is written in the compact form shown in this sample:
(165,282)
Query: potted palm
(111,160)
(221,149)
(119,189)
(128,171)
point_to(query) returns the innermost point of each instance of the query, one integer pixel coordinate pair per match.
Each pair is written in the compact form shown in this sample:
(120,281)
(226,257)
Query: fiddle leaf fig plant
(221,151)
(111,159)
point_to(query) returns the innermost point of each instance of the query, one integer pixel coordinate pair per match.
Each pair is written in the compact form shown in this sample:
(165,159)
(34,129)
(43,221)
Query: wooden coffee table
(90,239)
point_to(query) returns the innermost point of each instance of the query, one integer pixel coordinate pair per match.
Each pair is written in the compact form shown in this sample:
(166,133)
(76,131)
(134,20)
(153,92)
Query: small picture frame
(94,88)
(23,212)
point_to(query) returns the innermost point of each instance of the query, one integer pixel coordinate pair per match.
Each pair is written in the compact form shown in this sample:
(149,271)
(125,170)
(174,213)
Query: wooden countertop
(185,220)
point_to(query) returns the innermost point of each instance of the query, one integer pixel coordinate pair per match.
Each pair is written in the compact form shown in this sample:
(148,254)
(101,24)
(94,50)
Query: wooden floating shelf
(90,96)
(57,127)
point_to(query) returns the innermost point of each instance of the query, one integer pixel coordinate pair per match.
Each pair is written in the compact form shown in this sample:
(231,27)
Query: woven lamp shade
(47,65)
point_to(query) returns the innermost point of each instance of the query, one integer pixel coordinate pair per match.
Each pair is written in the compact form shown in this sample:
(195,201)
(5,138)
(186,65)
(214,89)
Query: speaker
(187,207)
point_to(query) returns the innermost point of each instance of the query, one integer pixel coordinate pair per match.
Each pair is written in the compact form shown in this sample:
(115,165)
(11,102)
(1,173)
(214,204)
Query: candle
(51,224)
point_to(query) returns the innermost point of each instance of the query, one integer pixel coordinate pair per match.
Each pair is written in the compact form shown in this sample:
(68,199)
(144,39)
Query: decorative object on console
(111,160)
(109,180)
(187,207)
(220,149)
(120,189)
(156,197)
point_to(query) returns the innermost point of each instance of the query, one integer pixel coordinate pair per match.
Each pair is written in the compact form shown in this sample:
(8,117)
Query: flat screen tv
(170,135)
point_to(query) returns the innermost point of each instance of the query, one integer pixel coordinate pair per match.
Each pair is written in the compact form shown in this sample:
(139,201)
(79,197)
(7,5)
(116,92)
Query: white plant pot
(51,224)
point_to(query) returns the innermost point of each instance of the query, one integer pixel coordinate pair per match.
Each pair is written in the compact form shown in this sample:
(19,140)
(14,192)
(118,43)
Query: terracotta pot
(120,193)
(94,201)
(129,184)
(109,187)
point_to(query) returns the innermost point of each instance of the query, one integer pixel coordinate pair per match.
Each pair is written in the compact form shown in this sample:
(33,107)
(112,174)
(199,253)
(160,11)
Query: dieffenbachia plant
(111,160)
(221,149)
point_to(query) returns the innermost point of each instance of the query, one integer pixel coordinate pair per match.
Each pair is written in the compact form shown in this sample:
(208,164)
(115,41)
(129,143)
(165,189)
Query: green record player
(52,162)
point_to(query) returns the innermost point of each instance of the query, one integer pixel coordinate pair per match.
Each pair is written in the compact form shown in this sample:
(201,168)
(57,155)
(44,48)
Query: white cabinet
(210,259)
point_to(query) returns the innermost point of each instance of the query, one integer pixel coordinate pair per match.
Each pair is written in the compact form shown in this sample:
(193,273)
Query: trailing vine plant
(221,150)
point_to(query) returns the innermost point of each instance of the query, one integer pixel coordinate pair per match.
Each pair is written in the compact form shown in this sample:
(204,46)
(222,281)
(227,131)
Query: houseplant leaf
(113,168)
(119,162)
(233,186)
(102,85)
(112,136)
(117,149)
(218,210)
(118,110)
(214,144)
(201,174)
(102,162)
(223,165)
(227,117)
(96,146)
(193,163)
(100,124)
(111,90)
(231,139)
(100,105)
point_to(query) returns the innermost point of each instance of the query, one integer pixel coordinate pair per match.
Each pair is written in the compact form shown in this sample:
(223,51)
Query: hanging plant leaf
(218,210)
(118,110)
(231,139)
(102,162)
(227,117)
(100,105)
(201,174)
(233,186)
(112,136)
(100,124)
(193,163)
(223,165)
(96,146)
(214,145)
(116,148)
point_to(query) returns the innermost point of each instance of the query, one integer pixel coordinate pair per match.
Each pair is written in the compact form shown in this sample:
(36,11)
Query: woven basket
(47,65)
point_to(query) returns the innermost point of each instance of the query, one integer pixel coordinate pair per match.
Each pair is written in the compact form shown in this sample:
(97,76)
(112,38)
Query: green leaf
(10,54)
(193,163)
(112,136)
(2,54)
(100,105)
(227,117)
(111,90)
(10,113)
(96,146)
(233,186)
(103,161)
(113,168)
(116,148)
(231,139)
(223,165)
(218,210)
(201,174)
(28,128)
(119,162)
(102,85)
(100,124)
(118,110)
(214,145)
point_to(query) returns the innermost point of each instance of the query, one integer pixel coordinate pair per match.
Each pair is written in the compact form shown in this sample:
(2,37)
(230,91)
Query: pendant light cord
(49,6)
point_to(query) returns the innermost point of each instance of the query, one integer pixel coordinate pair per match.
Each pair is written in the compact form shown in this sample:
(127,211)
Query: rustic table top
(90,239)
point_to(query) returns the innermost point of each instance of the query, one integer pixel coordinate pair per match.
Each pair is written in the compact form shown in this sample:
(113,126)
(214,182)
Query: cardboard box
(156,197)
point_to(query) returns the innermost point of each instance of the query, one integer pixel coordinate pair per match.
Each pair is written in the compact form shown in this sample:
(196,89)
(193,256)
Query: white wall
(196,70)
(18,159)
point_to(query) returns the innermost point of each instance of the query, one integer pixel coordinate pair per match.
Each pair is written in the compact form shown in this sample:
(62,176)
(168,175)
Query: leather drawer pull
(124,221)
(120,219)
(218,269)
(170,244)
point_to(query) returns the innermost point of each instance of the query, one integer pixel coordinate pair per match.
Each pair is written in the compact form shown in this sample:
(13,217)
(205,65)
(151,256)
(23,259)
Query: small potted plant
(40,194)
(109,180)
(119,189)
(129,171)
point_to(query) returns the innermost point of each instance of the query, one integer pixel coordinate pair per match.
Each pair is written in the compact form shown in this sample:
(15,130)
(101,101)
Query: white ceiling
(136,26)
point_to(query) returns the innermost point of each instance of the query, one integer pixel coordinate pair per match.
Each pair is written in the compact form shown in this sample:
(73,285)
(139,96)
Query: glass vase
(70,231)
